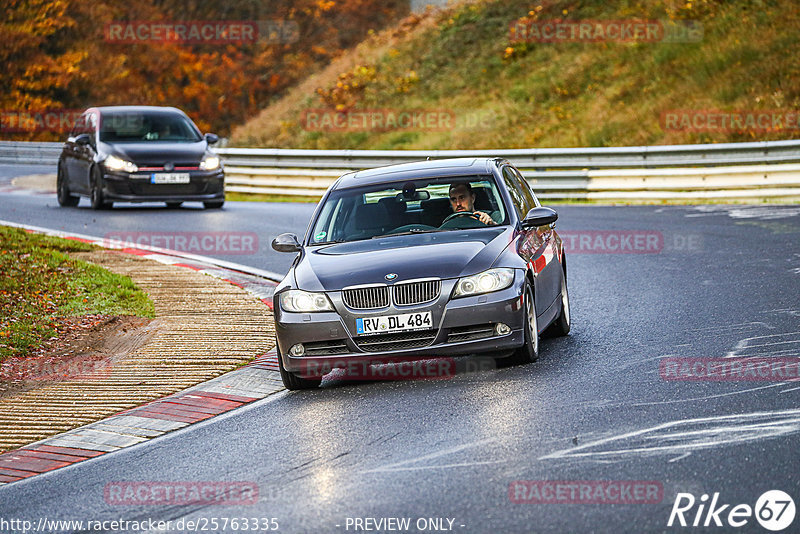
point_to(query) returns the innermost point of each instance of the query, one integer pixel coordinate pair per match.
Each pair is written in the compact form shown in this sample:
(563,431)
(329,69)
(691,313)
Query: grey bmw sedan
(417,261)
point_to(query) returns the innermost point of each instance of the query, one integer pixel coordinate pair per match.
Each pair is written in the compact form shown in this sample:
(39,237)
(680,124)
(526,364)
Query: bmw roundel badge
(391,276)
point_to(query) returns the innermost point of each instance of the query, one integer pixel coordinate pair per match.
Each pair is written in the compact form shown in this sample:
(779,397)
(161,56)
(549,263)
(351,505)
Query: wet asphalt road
(720,281)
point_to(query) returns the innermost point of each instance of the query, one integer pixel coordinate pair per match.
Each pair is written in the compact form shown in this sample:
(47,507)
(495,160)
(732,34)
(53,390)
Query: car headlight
(299,301)
(209,163)
(113,163)
(485,282)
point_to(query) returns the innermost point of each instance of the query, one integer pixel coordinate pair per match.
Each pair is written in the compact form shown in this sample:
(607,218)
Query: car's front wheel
(98,199)
(64,197)
(562,324)
(213,205)
(294,381)
(529,351)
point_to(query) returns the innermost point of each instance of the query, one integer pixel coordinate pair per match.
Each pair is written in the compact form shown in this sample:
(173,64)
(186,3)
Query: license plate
(170,178)
(394,323)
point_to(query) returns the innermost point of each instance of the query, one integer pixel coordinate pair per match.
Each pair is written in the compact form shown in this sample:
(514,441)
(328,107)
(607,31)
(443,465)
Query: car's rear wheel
(213,205)
(529,351)
(64,197)
(561,325)
(174,205)
(98,199)
(294,381)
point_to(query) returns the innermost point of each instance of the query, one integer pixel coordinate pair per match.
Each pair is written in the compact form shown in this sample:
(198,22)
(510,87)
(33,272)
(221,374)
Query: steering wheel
(460,214)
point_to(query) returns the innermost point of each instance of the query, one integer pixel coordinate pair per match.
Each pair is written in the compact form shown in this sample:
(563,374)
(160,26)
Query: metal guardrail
(764,152)
(732,170)
(29,153)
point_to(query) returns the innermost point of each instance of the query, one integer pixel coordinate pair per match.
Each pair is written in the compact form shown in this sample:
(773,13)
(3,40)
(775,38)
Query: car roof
(419,169)
(151,109)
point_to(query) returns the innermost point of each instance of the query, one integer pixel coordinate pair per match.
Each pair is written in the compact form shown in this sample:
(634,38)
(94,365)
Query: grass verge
(462,62)
(41,286)
(259,197)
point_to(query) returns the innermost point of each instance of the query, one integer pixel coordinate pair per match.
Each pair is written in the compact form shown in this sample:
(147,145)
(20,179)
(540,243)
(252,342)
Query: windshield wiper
(413,231)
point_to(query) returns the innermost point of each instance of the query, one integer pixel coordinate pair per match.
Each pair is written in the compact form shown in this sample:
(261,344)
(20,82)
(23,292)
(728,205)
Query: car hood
(440,255)
(156,152)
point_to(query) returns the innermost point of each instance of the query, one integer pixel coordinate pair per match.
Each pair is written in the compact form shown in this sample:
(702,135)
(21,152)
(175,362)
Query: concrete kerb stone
(192,404)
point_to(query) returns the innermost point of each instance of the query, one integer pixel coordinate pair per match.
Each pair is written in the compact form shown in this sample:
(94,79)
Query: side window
(80,126)
(86,123)
(527,192)
(513,190)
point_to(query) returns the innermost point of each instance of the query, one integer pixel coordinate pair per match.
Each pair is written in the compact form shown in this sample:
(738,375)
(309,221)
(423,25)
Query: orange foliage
(56,54)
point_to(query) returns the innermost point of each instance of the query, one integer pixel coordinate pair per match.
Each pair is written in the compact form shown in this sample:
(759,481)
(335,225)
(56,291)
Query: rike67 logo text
(774,510)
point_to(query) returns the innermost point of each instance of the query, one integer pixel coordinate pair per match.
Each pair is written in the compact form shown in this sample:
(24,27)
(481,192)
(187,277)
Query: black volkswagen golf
(421,260)
(139,154)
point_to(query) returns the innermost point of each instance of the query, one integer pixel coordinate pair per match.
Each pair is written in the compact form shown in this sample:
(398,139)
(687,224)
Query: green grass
(259,197)
(40,285)
(555,94)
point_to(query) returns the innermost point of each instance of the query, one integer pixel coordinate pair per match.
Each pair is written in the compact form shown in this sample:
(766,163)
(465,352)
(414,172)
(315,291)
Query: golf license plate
(170,178)
(394,323)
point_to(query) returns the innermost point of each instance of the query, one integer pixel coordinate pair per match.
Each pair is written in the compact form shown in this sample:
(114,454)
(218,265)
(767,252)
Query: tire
(65,199)
(174,205)
(214,204)
(563,322)
(294,381)
(98,200)
(529,351)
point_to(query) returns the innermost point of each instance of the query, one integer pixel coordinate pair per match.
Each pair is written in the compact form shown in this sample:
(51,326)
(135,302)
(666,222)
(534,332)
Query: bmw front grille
(374,297)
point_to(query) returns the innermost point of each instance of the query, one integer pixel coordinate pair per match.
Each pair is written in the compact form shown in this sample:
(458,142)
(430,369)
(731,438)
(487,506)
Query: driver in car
(462,199)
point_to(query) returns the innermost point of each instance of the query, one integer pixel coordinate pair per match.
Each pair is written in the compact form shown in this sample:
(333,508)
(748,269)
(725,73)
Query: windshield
(143,126)
(403,207)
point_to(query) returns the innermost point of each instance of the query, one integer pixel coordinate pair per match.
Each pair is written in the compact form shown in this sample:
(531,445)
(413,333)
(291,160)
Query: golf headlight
(299,301)
(485,282)
(113,163)
(209,163)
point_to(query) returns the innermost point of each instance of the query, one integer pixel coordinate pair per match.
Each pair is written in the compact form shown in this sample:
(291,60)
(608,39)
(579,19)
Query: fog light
(502,329)
(297,350)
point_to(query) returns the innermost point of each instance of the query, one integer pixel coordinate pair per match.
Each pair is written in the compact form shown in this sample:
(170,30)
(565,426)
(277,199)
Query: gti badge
(391,276)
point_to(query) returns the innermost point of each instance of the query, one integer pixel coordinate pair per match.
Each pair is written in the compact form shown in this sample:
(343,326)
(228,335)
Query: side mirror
(211,138)
(539,217)
(83,139)
(286,243)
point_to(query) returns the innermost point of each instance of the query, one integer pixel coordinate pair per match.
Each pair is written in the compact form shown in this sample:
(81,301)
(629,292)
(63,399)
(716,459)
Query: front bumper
(462,326)
(137,187)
